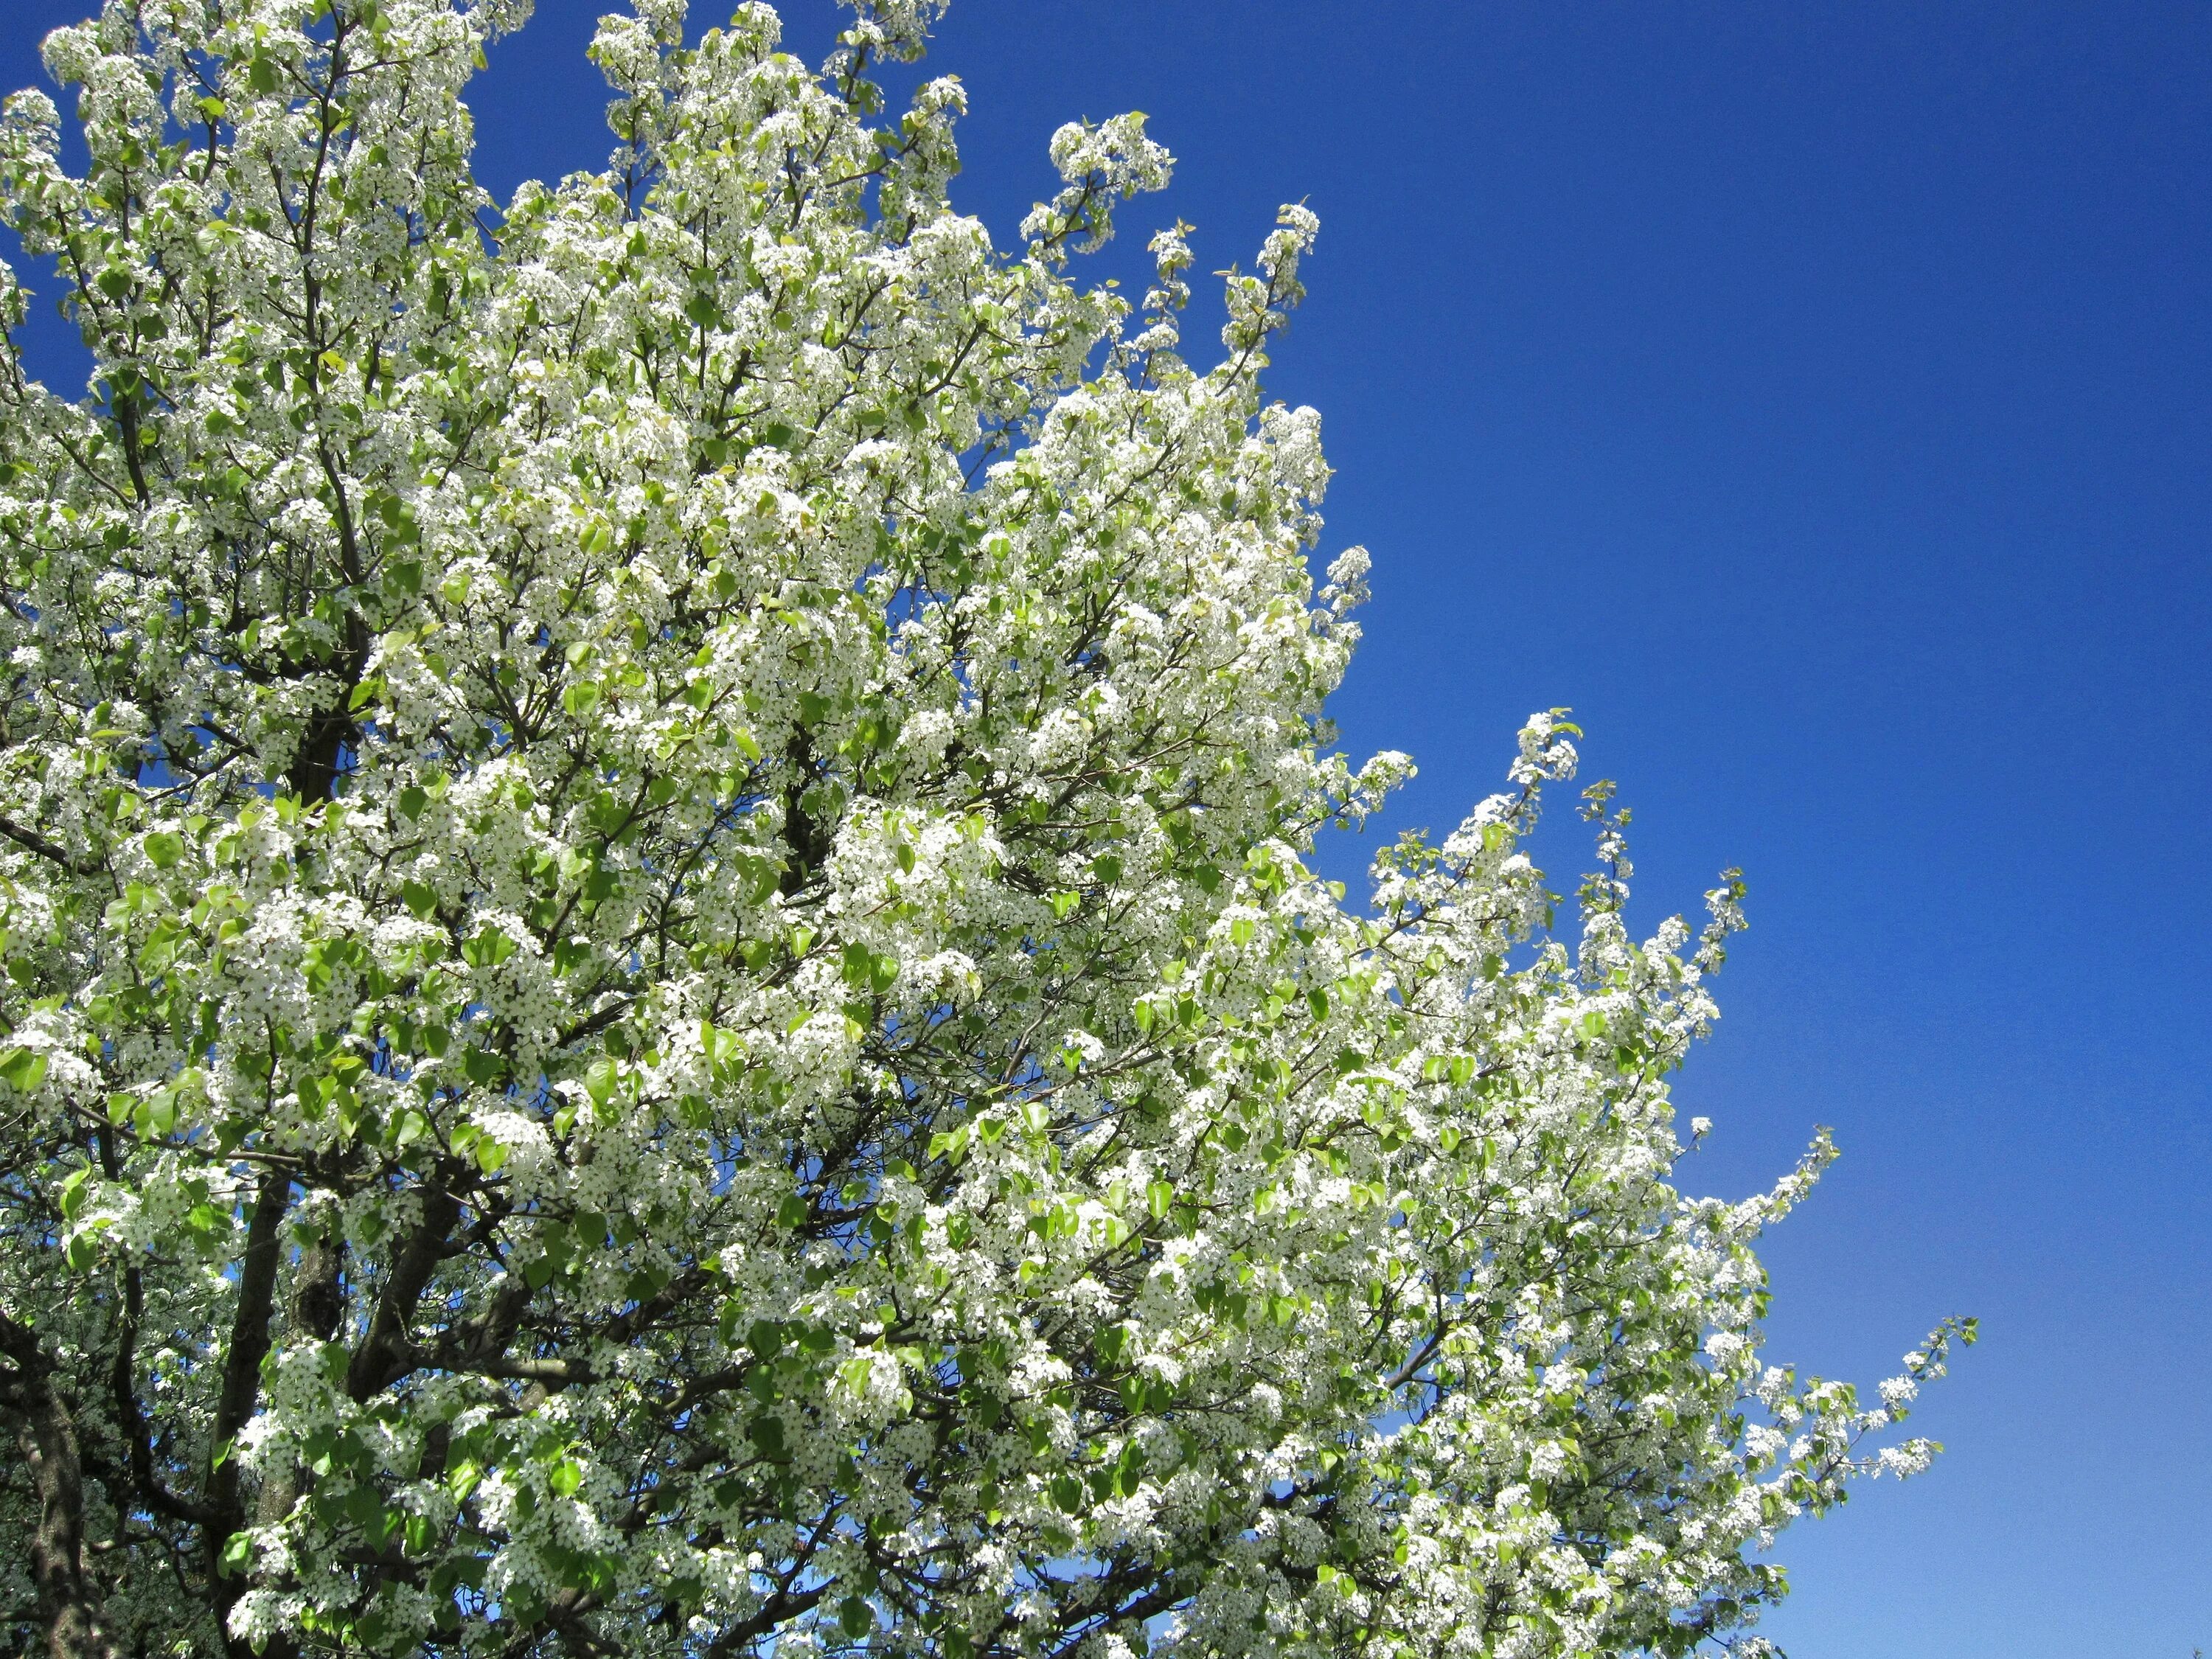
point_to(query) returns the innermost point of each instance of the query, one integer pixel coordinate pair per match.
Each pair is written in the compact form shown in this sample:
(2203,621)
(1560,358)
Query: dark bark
(69,1603)
(385,1353)
(314,774)
(811,843)
(225,1503)
(318,1303)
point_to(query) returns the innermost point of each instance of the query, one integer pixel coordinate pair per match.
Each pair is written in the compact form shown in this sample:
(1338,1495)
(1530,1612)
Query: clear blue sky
(1815,396)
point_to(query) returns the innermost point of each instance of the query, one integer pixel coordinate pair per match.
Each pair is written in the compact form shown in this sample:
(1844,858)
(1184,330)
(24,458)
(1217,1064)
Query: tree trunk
(68,1604)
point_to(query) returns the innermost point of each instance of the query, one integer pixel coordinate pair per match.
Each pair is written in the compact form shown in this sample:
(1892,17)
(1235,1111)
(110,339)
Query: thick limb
(69,1603)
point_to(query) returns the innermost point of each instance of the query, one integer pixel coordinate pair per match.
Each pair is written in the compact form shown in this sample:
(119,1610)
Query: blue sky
(1816,398)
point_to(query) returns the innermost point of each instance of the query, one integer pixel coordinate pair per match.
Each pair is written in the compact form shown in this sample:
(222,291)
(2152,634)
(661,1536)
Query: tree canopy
(665,991)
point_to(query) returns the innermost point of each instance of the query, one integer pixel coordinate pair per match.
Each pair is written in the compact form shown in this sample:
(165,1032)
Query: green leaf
(855,1618)
(858,962)
(767,1433)
(1129,1472)
(23,1070)
(599,1079)
(487,948)
(163,849)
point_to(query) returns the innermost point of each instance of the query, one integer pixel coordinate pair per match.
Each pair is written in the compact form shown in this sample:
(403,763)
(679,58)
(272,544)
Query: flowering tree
(663,994)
